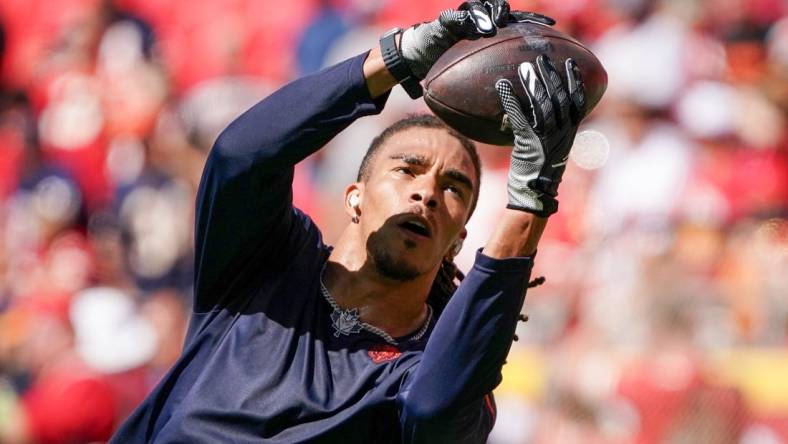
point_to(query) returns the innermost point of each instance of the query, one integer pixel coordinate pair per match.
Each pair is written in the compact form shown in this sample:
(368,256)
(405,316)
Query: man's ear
(353,200)
(455,248)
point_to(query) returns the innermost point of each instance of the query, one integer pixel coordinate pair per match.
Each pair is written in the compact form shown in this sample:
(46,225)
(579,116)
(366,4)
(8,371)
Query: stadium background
(665,313)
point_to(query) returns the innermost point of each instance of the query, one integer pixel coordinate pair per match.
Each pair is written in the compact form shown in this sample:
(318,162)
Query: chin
(399,259)
(397,264)
(394,266)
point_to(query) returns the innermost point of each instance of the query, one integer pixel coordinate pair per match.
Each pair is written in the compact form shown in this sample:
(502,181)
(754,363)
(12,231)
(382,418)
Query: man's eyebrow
(418,160)
(459,177)
(411,159)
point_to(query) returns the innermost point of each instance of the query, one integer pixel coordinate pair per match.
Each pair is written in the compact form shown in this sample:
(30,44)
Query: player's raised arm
(244,209)
(543,137)
(244,204)
(463,358)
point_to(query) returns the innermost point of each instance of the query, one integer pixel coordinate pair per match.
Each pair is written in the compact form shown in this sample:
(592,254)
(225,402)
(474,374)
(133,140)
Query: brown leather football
(460,87)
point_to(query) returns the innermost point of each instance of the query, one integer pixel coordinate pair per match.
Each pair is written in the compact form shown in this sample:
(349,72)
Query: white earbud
(353,200)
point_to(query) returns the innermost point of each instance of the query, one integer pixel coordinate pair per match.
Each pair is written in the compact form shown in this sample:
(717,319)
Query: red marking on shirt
(383,353)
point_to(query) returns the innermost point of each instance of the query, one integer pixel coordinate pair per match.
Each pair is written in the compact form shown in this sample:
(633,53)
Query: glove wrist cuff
(550,206)
(395,63)
(531,201)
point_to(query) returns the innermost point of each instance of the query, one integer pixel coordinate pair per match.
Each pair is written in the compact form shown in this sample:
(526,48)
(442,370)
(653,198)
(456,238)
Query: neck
(398,308)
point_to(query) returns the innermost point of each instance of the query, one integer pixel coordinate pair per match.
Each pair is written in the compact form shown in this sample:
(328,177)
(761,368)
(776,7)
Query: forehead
(435,145)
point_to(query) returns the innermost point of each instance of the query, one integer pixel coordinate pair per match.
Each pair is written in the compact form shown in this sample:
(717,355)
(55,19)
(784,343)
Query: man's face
(416,201)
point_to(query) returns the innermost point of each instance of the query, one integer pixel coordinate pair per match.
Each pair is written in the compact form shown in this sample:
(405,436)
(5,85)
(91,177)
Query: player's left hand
(544,131)
(424,43)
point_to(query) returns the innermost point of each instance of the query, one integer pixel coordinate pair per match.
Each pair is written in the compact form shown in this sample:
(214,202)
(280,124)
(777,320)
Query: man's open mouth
(416,226)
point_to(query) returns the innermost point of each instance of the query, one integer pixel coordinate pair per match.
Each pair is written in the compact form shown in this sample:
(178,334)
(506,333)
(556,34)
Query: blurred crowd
(664,318)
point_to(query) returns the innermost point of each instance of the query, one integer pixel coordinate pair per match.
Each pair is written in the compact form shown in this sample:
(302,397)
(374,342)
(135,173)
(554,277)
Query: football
(460,87)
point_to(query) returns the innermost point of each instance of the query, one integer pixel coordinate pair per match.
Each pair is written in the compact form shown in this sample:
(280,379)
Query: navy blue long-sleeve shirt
(261,362)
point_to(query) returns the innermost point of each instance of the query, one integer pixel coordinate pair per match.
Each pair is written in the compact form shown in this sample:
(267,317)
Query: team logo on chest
(383,352)
(345,322)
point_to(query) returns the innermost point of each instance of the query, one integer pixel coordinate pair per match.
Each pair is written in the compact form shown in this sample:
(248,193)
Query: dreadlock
(444,286)
(446,283)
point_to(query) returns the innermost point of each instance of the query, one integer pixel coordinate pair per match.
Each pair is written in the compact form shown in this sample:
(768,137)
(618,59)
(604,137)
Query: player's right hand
(543,132)
(424,43)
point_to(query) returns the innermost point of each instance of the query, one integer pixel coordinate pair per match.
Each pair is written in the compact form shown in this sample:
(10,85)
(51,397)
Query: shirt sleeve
(244,203)
(446,398)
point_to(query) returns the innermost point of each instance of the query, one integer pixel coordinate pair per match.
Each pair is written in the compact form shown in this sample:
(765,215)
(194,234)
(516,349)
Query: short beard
(390,267)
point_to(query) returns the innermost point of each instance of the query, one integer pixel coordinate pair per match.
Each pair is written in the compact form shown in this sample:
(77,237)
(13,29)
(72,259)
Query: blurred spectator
(155,218)
(328,24)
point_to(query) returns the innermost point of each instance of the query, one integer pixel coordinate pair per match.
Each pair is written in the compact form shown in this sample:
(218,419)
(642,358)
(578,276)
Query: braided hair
(446,283)
(444,286)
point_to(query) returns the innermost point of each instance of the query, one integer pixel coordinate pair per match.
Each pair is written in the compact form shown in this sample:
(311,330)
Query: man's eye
(404,170)
(455,189)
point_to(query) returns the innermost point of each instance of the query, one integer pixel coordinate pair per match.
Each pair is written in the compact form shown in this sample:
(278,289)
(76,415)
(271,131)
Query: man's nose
(425,191)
